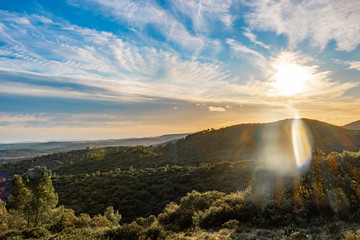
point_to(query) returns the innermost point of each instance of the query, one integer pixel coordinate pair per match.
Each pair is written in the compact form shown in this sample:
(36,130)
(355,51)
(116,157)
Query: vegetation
(328,192)
(206,186)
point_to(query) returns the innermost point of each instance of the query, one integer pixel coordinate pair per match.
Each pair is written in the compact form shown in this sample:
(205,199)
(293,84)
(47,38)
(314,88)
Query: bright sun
(291,79)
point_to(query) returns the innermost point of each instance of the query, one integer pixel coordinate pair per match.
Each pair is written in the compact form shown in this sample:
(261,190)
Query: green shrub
(155,233)
(35,233)
(67,221)
(11,234)
(146,222)
(84,220)
(130,231)
(231,224)
(100,221)
(352,235)
(180,217)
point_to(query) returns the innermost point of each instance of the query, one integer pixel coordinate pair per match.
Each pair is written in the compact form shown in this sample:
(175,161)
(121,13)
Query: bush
(146,222)
(230,207)
(155,232)
(231,224)
(352,235)
(35,233)
(11,234)
(180,217)
(84,220)
(100,221)
(67,221)
(130,231)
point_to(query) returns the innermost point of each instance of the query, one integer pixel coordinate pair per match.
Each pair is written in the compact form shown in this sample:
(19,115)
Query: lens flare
(302,143)
(285,147)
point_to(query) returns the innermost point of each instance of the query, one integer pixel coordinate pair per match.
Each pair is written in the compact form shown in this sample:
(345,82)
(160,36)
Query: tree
(3,217)
(34,197)
(113,217)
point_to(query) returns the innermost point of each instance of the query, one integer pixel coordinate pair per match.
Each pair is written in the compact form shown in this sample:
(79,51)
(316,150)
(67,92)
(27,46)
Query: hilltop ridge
(353,125)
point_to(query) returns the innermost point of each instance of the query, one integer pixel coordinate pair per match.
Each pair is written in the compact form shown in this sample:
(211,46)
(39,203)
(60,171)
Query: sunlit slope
(246,140)
(235,143)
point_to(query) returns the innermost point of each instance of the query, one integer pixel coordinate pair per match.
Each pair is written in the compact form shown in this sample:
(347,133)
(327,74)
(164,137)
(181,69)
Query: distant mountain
(354,125)
(18,151)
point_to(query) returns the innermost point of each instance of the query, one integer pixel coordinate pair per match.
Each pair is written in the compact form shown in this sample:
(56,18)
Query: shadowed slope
(354,125)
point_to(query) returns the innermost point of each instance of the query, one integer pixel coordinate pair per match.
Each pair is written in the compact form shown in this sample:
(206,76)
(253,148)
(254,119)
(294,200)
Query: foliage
(143,192)
(131,231)
(4,217)
(33,195)
(200,187)
(352,235)
(180,217)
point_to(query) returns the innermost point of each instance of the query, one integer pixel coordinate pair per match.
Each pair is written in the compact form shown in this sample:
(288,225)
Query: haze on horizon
(101,69)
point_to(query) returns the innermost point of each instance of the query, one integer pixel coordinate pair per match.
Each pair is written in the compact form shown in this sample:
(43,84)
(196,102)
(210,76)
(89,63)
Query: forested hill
(239,141)
(141,181)
(235,143)
(354,125)
(19,151)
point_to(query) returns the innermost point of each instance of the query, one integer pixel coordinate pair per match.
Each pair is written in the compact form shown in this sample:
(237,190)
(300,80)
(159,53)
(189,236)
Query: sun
(290,78)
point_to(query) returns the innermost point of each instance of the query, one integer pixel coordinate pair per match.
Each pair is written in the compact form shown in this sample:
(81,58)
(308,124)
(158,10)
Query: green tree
(3,217)
(34,197)
(113,217)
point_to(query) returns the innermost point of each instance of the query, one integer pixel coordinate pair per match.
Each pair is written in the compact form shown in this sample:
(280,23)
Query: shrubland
(208,185)
(323,203)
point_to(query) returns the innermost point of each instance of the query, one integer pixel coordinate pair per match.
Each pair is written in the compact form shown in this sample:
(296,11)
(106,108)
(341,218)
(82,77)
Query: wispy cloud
(353,64)
(216,109)
(204,12)
(238,47)
(319,21)
(148,13)
(253,39)
(97,59)
(21,119)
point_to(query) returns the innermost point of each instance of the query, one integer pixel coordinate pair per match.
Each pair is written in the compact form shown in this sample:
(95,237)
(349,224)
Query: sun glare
(291,79)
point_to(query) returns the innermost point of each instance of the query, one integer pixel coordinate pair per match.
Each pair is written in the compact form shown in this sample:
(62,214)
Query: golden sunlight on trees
(3,217)
(33,197)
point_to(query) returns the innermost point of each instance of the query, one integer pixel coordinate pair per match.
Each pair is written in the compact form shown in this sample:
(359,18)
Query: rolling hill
(234,143)
(354,125)
(173,180)
(19,151)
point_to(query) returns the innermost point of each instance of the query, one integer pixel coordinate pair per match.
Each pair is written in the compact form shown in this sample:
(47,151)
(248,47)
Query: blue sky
(100,69)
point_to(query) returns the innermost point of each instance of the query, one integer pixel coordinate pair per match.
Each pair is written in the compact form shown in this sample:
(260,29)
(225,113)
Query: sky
(105,69)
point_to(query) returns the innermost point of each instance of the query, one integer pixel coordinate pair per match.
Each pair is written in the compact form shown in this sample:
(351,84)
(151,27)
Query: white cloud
(319,21)
(140,14)
(203,12)
(353,64)
(253,39)
(238,47)
(121,71)
(21,118)
(47,91)
(99,59)
(216,109)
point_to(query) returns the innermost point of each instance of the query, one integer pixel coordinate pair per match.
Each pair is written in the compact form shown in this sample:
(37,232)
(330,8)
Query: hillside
(19,151)
(354,125)
(211,180)
(235,143)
